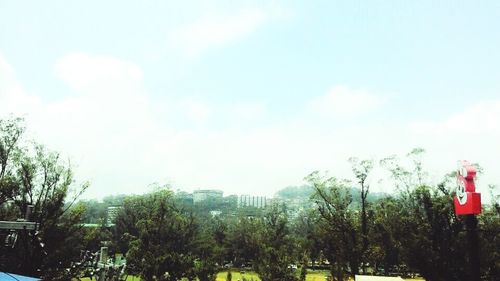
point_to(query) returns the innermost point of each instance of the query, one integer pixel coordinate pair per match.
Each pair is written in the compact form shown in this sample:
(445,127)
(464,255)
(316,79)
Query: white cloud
(473,134)
(196,111)
(217,30)
(345,101)
(87,73)
(99,126)
(122,139)
(115,132)
(13,99)
(246,112)
(480,118)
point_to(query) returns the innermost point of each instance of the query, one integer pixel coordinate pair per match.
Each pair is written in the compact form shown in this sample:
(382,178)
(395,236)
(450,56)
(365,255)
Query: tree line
(412,230)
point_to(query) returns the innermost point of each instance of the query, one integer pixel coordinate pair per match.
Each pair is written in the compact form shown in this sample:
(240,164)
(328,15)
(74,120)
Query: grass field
(248,275)
(252,276)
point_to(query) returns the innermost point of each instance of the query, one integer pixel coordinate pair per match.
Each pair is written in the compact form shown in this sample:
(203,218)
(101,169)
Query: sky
(251,96)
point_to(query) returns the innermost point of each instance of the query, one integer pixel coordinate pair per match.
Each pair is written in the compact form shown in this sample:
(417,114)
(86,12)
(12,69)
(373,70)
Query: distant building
(184,198)
(205,194)
(231,201)
(252,201)
(112,213)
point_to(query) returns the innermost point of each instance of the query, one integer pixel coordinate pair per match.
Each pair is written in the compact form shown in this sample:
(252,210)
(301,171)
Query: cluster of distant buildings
(205,196)
(215,197)
(243,200)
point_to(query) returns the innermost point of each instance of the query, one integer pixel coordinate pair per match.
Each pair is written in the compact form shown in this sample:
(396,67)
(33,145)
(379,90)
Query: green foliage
(96,210)
(432,236)
(338,224)
(205,269)
(418,230)
(361,170)
(161,239)
(32,175)
(213,240)
(244,240)
(166,237)
(276,249)
(209,249)
(291,192)
(306,231)
(415,230)
(489,223)
(303,269)
(385,248)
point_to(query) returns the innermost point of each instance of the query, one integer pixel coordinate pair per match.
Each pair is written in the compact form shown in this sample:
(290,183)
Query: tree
(31,175)
(406,177)
(489,224)
(435,248)
(276,251)
(209,248)
(338,224)
(416,230)
(126,223)
(161,237)
(433,236)
(385,246)
(215,233)
(243,240)
(361,170)
(307,234)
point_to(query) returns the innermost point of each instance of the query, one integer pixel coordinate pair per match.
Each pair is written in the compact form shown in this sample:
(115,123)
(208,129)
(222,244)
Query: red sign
(467,201)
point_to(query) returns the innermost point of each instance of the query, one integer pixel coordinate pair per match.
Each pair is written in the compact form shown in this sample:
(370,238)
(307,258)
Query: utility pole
(468,203)
(18,225)
(473,242)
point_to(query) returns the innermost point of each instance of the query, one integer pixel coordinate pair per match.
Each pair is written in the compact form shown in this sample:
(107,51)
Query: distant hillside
(295,192)
(372,196)
(304,192)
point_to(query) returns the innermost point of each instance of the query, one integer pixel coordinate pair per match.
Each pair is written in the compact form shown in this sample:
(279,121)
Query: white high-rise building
(252,201)
(204,194)
(112,213)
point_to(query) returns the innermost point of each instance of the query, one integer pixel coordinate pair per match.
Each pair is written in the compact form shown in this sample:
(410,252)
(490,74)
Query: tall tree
(243,240)
(361,170)
(489,224)
(306,231)
(333,200)
(434,237)
(385,246)
(31,175)
(276,251)
(161,239)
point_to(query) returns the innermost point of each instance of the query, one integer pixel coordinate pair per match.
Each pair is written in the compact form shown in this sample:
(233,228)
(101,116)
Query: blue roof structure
(4,276)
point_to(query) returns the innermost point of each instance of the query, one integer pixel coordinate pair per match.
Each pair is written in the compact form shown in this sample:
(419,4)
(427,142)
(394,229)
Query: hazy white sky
(251,96)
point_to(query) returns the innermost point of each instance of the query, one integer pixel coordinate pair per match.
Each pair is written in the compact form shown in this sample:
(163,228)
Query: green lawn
(252,276)
(237,275)
(311,276)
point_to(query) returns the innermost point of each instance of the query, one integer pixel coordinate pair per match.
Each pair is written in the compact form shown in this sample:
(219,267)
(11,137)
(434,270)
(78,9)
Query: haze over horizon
(250,97)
